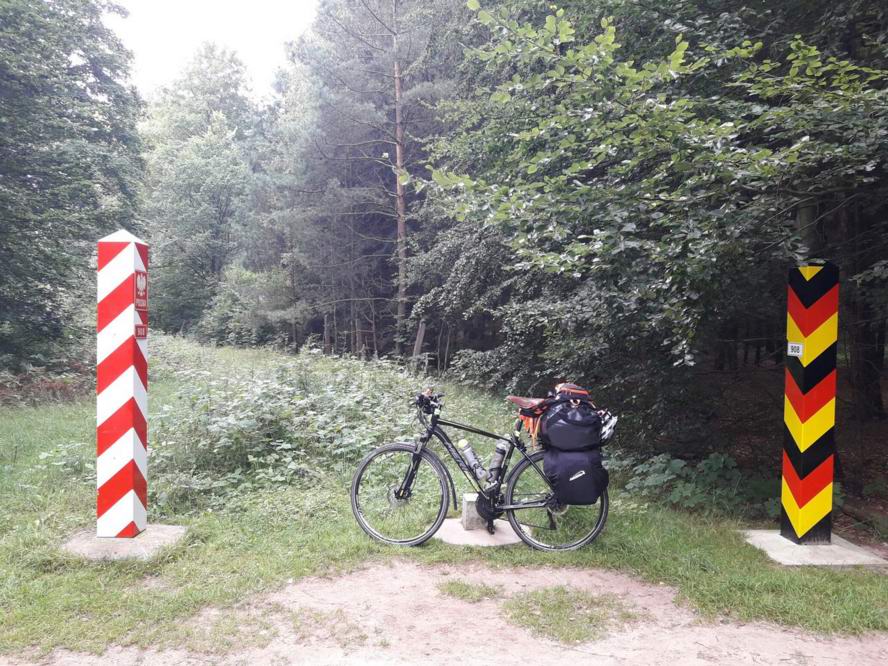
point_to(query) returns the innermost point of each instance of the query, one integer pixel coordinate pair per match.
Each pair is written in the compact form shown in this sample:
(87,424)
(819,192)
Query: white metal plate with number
(795,349)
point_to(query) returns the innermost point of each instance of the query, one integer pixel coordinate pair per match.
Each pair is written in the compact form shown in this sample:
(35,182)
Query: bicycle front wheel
(391,506)
(545,524)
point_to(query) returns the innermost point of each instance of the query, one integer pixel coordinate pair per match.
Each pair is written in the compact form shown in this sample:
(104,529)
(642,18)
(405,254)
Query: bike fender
(440,463)
(455,504)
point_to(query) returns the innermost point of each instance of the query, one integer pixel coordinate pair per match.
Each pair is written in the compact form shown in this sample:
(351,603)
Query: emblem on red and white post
(122,386)
(140,297)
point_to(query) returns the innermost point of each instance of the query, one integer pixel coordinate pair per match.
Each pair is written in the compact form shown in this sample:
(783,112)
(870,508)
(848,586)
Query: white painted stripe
(127,386)
(128,509)
(143,345)
(121,328)
(119,454)
(139,264)
(121,236)
(117,270)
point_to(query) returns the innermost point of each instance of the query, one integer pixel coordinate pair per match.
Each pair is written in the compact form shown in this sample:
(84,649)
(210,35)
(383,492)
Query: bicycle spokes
(398,498)
(544,523)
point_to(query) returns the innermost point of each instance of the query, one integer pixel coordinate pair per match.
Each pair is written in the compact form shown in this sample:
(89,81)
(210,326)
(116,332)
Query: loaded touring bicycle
(553,492)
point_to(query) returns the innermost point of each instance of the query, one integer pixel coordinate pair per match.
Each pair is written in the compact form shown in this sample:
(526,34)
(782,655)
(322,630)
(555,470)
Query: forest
(506,192)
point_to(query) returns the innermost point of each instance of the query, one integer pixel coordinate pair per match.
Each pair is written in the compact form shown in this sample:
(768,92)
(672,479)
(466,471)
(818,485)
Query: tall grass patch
(252,450)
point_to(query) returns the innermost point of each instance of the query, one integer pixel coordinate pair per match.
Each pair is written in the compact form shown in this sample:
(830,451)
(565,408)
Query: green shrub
(303,418)
(713,484)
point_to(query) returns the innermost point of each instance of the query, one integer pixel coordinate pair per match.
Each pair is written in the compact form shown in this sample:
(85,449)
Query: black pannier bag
(570,432)
(578,477)
(571,422)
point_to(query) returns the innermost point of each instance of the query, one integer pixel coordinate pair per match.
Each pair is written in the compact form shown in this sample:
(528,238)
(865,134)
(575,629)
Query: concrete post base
(839,553)
(142,547)
(452,532)
(470,518)
(471,529)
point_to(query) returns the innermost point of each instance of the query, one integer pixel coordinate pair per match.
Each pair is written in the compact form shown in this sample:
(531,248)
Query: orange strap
(532,426)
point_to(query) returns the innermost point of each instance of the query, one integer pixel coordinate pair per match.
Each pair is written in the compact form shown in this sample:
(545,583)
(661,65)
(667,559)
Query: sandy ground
(395,614)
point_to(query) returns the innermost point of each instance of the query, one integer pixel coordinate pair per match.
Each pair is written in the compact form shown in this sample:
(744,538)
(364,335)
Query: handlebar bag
(578,477)
(571,425)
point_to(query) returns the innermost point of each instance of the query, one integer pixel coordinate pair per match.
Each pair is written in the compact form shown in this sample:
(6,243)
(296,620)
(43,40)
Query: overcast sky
(164,34)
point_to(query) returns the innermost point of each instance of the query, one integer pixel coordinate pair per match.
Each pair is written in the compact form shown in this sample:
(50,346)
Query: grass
(225,631)
(565,615)
(470,592)
(333,626)
(265,537)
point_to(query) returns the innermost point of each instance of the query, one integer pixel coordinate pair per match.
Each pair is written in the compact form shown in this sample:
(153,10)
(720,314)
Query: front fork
(406,487)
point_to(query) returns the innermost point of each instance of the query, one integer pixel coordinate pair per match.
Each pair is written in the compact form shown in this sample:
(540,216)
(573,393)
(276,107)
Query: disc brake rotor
(395,502)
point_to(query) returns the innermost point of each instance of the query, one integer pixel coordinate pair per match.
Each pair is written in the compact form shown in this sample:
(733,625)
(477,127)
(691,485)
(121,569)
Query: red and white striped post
(122,386)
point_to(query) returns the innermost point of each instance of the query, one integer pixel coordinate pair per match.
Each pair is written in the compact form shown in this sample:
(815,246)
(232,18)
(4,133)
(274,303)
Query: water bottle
(496,461)
(471,459)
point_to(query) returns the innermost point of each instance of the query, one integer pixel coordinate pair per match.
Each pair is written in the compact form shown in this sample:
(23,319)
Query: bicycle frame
(492,492)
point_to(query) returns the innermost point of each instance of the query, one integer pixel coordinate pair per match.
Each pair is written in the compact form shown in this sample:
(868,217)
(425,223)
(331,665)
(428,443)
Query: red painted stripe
(128,478)
(115,426)
(808,404)
(129,531)
(804,490)
(809,319)
(108,250)
(143,253)
(116,302)
(115,364)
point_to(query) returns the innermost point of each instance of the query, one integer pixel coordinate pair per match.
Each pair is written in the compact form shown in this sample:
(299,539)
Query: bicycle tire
(395,505)
(522,529)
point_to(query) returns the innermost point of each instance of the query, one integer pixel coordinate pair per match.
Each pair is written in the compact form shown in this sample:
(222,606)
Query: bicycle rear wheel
(552,526)
(404,521)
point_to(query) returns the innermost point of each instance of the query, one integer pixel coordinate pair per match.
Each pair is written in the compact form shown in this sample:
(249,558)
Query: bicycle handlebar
(427,401)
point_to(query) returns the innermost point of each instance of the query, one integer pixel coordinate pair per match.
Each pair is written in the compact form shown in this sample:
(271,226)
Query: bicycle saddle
(524,403)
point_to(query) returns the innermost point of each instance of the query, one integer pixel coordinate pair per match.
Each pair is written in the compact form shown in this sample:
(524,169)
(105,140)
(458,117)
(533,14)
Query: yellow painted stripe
(809,271)
(793,333)
(803,519)
(816,343)
(805,434)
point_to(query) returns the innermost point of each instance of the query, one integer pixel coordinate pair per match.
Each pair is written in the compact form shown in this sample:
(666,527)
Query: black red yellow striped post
(809,403)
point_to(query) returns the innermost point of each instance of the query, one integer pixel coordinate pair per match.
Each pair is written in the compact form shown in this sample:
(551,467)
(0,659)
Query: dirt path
(395,614)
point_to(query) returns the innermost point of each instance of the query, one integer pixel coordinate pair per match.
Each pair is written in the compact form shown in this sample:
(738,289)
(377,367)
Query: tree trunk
(807,228)
(295,295)
(420,339)
(357,344)
(865,348)
(400,193)
(328,348)
(867,355)
(880,345)
(373,331)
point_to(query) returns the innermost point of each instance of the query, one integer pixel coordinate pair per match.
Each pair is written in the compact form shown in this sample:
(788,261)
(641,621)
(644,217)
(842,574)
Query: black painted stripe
(806,378)
(810,291)
(809,460)
(819,533)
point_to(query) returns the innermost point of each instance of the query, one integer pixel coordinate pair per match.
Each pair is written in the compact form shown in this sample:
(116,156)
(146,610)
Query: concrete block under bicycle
(471,529)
